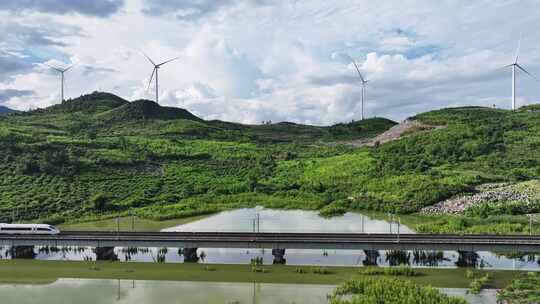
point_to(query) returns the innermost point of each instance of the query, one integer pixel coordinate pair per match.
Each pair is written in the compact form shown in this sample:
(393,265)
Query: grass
(126,224)
(444,223)
(525,289)
(389,290)
(35,271)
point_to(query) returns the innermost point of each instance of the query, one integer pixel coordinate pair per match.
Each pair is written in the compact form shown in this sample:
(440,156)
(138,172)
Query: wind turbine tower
(363,81)
(516,66)
(155,71)
(62,72)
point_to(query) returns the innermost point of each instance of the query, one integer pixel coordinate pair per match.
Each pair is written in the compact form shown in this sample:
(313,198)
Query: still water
(88,291)
(269,220)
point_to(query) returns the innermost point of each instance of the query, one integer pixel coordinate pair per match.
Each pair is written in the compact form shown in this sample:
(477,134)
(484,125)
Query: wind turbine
(155,71)
(62,72)
(518,66)
(363,82)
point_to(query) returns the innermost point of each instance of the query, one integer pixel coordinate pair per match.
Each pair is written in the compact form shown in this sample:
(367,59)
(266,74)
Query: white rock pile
(458,205)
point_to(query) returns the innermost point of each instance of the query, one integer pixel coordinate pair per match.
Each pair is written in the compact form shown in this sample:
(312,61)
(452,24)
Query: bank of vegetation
(37,271)
(522,290)
(388,290)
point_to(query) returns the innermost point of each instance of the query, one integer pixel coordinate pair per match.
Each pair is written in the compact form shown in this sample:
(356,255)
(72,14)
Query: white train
(28,229)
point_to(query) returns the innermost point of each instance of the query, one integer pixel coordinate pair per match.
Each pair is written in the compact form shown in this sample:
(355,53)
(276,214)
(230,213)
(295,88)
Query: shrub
(525,289)
(477,283)
(99,201)
(388,290)
(320,270)
(390,271)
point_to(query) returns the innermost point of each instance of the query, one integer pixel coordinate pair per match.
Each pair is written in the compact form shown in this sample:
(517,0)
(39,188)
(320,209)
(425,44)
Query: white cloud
(396,43)
(249,61)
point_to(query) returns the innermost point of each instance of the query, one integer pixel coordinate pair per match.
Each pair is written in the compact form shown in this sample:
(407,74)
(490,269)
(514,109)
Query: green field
(127,224)
(27,271)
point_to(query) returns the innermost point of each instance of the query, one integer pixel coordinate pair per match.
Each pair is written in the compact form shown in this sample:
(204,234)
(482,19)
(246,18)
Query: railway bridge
(280,241)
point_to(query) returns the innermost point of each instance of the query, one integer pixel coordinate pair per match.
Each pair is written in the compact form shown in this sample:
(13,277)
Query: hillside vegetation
(99,155)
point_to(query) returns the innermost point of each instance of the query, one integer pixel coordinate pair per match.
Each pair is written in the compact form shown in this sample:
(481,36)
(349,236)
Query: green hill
(530,108)
(87,104)
(5,110)
(145,109)
(67,163)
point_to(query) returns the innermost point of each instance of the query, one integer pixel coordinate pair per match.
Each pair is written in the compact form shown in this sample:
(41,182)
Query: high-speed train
(28,229)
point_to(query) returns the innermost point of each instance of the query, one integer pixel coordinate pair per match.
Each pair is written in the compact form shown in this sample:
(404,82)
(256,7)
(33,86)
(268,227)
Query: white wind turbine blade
(527,72)
(151,77)
(501,68)
(358,70)
(54,68)
(68,68)
(519,46)
(164,62)
(151,61)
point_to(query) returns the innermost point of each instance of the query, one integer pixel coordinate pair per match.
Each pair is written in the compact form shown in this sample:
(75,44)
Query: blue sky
(255,60)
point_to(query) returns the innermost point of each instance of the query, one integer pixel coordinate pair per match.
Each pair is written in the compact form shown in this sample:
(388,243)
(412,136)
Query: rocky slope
(404,128)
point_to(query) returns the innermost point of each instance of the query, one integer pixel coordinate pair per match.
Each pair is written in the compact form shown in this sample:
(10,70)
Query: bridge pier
(467,259)
(190,255)
(105,254)
(22,252)
(279,256)
(371,257)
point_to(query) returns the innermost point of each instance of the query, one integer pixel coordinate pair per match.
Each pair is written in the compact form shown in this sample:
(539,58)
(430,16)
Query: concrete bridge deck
(356,241)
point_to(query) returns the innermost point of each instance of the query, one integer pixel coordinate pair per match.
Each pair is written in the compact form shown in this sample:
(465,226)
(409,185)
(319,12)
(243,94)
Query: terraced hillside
(99,156)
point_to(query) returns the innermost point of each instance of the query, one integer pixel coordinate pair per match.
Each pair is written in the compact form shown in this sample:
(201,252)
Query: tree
(99,202)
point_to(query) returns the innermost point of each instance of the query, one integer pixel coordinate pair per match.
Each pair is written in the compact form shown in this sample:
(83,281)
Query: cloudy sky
(254,60)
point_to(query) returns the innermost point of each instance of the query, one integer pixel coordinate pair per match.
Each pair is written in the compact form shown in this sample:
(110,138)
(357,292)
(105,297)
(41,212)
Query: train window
(43,229)
(16,229)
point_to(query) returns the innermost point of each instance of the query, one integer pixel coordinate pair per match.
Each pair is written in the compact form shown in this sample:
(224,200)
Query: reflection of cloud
(272,220)
(92,291)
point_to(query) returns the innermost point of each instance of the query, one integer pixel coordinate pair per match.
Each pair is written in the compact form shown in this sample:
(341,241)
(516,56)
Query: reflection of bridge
(509,243)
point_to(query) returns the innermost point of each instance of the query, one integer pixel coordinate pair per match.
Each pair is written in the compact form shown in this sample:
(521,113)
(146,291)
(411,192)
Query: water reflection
(429,258)
(486,296)
(268,220)
(447,259)
(84,291)
(91,291)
